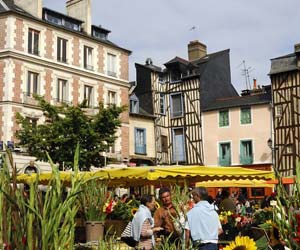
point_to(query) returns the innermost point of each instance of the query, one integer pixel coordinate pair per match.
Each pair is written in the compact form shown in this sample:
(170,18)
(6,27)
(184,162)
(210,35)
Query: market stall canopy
(284,180)
(140,176)
(235,183)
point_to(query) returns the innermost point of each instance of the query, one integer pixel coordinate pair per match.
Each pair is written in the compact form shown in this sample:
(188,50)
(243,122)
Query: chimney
(196,50)
(254,84)
(297,47)
(33,7)
(81,9)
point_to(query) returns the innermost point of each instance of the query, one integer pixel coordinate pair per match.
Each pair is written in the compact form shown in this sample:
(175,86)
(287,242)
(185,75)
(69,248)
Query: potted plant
(92,198)
(120,215)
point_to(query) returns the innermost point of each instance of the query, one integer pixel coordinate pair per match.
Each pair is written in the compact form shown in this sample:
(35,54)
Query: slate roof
(8,5)
(143,113)
(177,60)
(242,101)
(284,64)
(151,67)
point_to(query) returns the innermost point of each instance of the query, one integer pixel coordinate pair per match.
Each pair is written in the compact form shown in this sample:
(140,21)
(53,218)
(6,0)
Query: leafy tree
(64,127)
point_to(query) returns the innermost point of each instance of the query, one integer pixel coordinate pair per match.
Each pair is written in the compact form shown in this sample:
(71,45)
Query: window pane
(176,105)
(245,115)
(223,118)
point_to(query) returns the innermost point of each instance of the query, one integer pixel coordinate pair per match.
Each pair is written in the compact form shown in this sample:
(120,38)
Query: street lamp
(270,144)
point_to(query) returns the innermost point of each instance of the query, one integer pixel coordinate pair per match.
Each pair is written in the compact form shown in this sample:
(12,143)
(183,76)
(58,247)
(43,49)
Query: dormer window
(61,19)
(134,104)
(175,76)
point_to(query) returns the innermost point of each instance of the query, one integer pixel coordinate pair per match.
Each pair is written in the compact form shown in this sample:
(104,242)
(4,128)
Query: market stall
(141,176)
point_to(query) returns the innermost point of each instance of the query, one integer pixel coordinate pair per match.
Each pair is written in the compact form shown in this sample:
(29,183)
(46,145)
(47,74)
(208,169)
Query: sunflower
(241,243)
(133,211)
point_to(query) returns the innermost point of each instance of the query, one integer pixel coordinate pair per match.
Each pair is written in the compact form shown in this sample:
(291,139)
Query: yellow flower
(229,213)
(133,211)
(241,243)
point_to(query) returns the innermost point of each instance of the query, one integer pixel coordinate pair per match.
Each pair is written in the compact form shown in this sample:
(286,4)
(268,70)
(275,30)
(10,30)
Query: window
(88,58)
(32,83)
(140,141)
(33,121)
(88,95)
(224,154)
(33,41)
(134,104)
(164,143)
(223,118)
(246,152)
(176,105)
(62,49)
(100,35)
(112,98)
(111,65)
(178,145)
(162,104)
(62,95)
(245,115)
(175,76)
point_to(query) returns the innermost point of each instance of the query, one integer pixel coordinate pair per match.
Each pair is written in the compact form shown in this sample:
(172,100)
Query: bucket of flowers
(120,215)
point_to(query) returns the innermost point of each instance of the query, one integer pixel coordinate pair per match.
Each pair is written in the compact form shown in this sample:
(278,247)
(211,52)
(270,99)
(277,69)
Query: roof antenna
(246,72)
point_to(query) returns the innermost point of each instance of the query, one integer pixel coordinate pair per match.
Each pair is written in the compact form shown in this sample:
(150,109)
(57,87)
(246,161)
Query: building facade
(62,57)
(236,130)
(176,95)
(285,81)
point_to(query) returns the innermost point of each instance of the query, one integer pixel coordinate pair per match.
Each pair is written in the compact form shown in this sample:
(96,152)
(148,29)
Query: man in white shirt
(203,225)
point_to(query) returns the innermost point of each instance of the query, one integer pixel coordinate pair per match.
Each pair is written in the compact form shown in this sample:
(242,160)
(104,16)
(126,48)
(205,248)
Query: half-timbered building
(176,95)
(285,79)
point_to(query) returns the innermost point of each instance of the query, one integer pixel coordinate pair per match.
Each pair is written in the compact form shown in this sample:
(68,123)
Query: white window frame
(111,64)
(59,53)
(31,46)
(30,84)
(112,97)
(62,93)
(88,62)
(88,90)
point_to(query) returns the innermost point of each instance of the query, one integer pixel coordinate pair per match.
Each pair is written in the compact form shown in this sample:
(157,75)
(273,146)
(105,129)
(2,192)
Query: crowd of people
(202,224)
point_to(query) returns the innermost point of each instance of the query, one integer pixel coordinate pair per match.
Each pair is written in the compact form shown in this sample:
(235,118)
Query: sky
(254,31)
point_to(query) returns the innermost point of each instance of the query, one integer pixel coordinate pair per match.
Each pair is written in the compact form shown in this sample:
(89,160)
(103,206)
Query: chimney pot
(196,50)
(254,84)
(297,47)
(81,9)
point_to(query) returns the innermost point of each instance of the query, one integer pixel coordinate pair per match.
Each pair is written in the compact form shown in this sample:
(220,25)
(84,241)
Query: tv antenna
(246,73)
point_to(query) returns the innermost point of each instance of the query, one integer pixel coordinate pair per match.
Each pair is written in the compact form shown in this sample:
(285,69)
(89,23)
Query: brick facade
(48,85)
(17,81)
(125,142)
(49,43)
(125,101)
(100,59)
(2,66)
(76,51)
(19,39)
(3,33)
(124,66)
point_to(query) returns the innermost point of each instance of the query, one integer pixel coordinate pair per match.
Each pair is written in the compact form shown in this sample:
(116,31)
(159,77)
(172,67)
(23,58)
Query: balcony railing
(29,99)
(89,67)
(140,149)
(111,73)
(58,101)
(246,159)
(224,161)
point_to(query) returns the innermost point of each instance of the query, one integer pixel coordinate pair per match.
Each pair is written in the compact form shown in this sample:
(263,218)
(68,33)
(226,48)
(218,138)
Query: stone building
(62,57)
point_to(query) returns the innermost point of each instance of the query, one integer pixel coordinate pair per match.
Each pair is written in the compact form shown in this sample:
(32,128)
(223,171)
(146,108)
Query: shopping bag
(127,237)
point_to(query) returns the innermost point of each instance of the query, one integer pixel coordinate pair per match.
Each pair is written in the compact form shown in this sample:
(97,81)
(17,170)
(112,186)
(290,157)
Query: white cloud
(255,31)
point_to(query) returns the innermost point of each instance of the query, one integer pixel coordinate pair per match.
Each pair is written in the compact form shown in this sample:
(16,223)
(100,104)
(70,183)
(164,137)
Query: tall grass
(31,219)
(288,204)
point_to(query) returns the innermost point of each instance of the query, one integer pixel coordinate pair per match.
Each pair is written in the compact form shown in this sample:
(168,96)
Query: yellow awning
(234,183)
(139,176)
